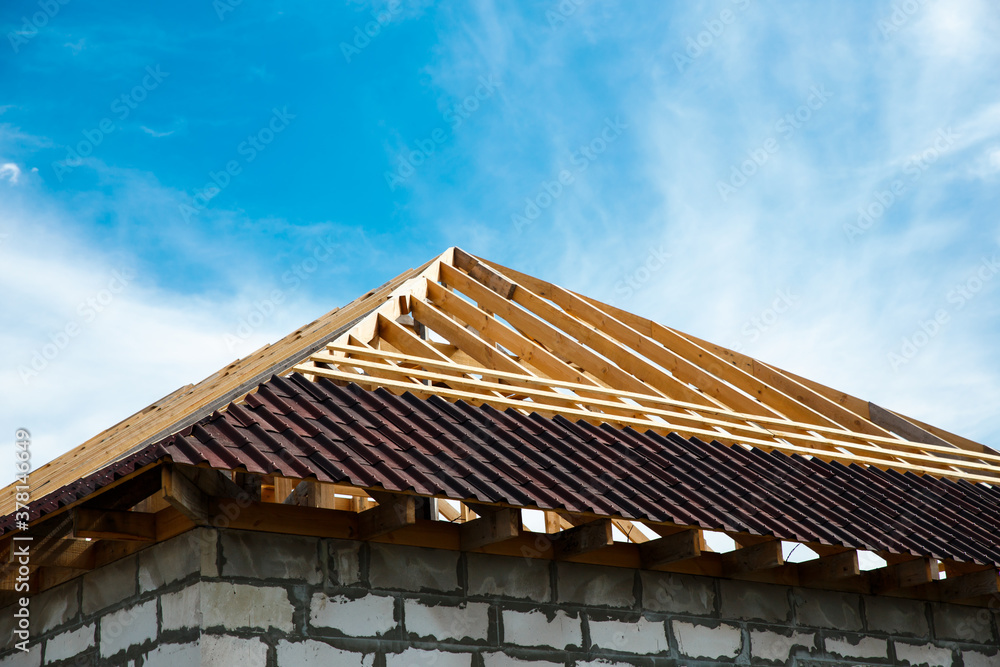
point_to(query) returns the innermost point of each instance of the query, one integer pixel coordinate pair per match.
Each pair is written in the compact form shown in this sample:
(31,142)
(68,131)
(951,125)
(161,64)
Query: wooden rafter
(464,328)
(514,341)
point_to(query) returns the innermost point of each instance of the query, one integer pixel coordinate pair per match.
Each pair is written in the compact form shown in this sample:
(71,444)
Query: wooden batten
(464,328)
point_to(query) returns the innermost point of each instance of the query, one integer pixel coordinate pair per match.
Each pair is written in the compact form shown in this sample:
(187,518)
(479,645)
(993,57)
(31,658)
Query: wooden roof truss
(464,328)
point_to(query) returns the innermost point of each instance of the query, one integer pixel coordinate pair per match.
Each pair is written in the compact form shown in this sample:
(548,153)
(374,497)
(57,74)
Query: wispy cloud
(768,267)
(77,46)
(10,171)
(156,134)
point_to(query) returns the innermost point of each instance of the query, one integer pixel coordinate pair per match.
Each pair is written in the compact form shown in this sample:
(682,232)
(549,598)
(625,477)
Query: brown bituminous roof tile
(296,428)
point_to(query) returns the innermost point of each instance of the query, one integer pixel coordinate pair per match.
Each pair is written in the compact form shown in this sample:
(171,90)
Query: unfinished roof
(469,381)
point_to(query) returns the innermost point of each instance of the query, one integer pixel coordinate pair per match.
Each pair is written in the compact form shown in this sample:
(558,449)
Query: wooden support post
(113,525)
(393,513)
(583,539)
(672,548)
(283,487)
(491,528)
(760,556)
(310,493)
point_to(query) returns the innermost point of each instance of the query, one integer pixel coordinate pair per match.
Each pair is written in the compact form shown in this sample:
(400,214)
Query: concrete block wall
(236,598)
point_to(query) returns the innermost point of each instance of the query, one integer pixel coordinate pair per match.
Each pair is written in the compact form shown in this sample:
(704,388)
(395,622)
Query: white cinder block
(127,627)
(30,658)
(503,660)
(533,628)
(867,647)
(173,655)
(68,644)
(471,620)
(772,646)
(317,654)
(702,641)
(646,637)
(181,609)
(225,651)
(369,616)
(412,657)
(235,606)
(977,659)
(926,654)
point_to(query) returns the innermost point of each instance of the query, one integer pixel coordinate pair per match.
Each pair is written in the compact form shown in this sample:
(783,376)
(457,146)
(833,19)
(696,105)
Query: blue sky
(815,183)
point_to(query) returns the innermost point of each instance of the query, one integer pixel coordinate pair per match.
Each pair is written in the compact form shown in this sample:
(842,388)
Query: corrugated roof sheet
(301,429)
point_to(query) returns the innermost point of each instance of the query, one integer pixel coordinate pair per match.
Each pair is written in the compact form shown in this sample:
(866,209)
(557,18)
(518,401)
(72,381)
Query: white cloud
(784,229)
(10,171)
(88,339)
